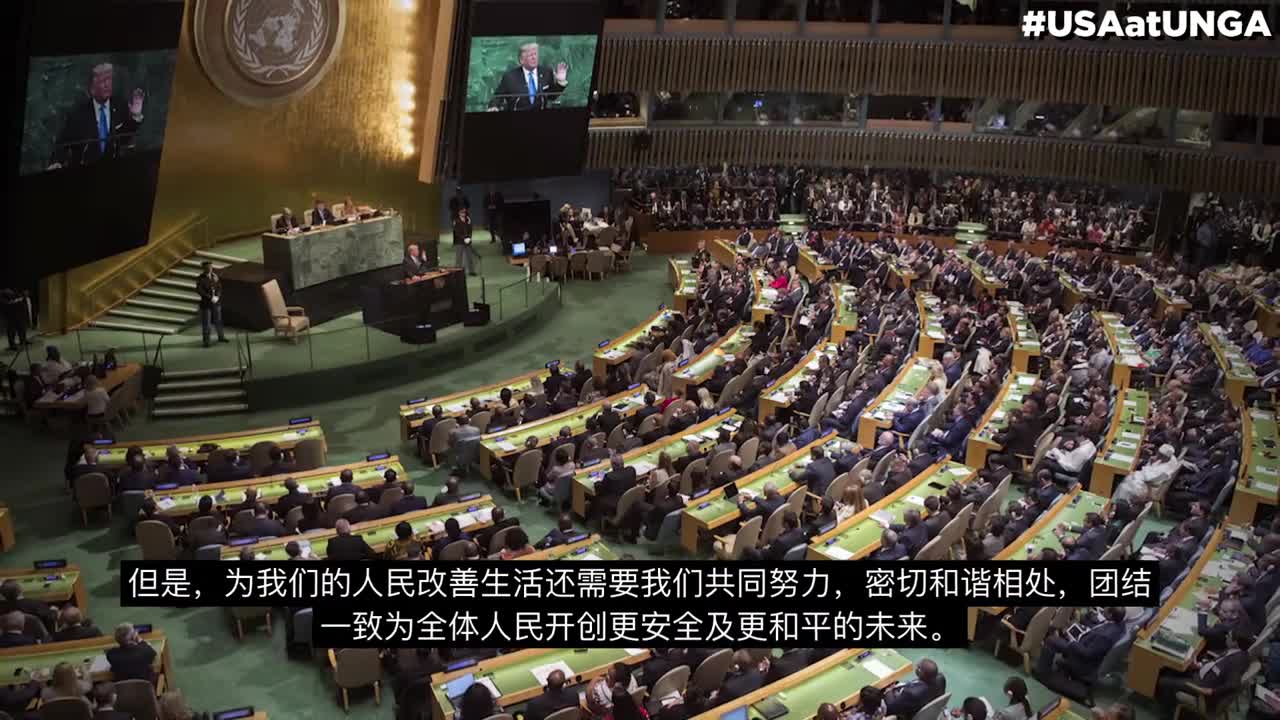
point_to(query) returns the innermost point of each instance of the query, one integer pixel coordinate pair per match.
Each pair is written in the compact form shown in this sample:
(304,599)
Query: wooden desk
(416,412)
(846,318)
(1073,292)
(183,502)
(878,416)
(20,663)
(714,510)
(986,284)
(811,266)
(510,442)
(66,587)
(932,335)
(684,283)
(512,673)
(782,392)
(620,349)
(1153,649)
(726,252)
(859,535)
(1119,454)
(698,370)
(644,459)
(982,440)
(1067,510)
(763,298)
(72,401)
(1125,350)
(7,537)
(1267,315)
(588,549)
(1238,374)
(111,455)
(1026,341)
(835,679)
(1259,467)
(428,526)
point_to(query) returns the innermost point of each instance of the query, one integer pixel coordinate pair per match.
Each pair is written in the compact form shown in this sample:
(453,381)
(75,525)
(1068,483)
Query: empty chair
(456,550)
(578,264)
(303,621)
(93,491)
(481,420)
(933,709)
(496,542)
(628,499)
(748,452)
(597,264)
(1028,642)
(309,454)
(240,614)
(528,465)
(241,522)
(287,320)
(668,533)
(439,442)
(260,456)
(710,673)
(672,681)
(138,698)
(337,507)
(389,497)
(356,668)
(156,540)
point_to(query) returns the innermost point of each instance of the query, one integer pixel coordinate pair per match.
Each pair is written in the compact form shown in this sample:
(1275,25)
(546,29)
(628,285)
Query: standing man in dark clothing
(493,205)
(209,287)
(462,252)
(13,305)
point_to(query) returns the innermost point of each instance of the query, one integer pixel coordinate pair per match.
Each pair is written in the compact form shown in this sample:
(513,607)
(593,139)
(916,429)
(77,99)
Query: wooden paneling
(1161,77)
(1088,161)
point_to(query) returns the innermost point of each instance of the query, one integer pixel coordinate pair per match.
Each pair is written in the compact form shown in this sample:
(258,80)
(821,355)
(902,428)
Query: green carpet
(215,670)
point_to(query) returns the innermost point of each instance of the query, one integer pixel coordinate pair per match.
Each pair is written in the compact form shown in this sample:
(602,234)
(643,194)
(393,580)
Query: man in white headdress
(1138,487)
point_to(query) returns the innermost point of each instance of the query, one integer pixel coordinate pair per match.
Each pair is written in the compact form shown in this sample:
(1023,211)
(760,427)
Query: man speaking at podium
(99,126)
(414,265)
(529,86)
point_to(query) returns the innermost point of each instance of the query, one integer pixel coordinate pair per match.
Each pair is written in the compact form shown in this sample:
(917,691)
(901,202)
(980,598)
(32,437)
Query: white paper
(488,683)
(877,668)
(1263,470)
(435,527)
(1131,436)
(302,488)
(837,552)
(541,672)
(915,500)
(165,503)
(642,467)
(483,515)
(1117,457)
(506,446)
(882,517)
(588,556)
(99,664)
(334,482)
(1264,487)
(635,651)
(465,519)
(1024,380)
(1130,403)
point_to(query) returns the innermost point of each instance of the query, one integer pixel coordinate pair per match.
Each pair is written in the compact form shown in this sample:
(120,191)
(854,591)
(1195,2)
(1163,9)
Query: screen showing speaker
(530,74)
(95,81)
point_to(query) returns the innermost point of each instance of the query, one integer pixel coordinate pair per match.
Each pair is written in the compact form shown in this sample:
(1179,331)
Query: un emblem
(263,51)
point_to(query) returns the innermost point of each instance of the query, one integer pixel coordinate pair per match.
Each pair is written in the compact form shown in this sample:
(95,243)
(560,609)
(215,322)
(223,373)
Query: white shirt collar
(106,104)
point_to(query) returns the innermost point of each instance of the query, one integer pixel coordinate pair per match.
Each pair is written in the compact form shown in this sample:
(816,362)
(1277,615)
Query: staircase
(167,304)
(189,393)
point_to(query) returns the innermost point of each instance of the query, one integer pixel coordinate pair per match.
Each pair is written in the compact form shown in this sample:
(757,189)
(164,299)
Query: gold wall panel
(1092,162)
(1200,79)
(235,164)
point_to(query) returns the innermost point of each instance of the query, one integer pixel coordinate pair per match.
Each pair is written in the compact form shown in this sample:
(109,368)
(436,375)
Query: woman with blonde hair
(173,706)
(663,375)
(65,682)
(851,502)
(706,406)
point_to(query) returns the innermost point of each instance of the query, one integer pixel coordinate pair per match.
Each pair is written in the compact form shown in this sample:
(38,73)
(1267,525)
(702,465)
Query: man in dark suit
(100,126)
(277,464)
(792,535)
(409,502)
(414,264)
(292,498)
(1081,657)
(209,288)
(12,630)
(453,533)
(286,222)
(390,479)
(72,626)
(609,489)
(791,661)
(890,549)
(819,473)
(913,534)
(1090,543)
(233,468)
(907,699)
(131,659)
(911,415)
(364,510)
(346,485)
(11,599)
(263,525)
(765,504)
(742,679)
(1216,678)
(499,521)
(559,535)
(528,85)
(554,697)
(321,214)
(345,546)
(104,697)
(450,495)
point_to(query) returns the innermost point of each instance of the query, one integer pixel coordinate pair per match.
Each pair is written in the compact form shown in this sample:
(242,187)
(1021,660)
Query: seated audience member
(559,534)
(233,467)
(1214,677)
(515,544)
(1081,657)
(555,696)
(397,549)
(409,503)
(364,510)
(132,658)
(625,706)
(277,465)
(498,522)
(138,475)
(906,699)
(890,549)
(477,702)
(263,525)
(390,479)
(449,494)
(870,704)
(173,706)
(104,700)
(1019,708)
(293,497)
(13,633)
(73,626)
(599,693)
(743,677)
(11,598)
(65,682)
(346,485)
(453,533)
(347,547)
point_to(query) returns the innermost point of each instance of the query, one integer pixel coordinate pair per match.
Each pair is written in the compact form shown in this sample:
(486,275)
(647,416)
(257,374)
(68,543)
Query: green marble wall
(322,255)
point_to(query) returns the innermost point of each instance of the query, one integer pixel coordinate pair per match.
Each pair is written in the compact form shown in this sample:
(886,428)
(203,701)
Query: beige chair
(686,477)
(240,614)
(138,698)
(528,465)
(710,673)
(749,451)
(719,463)
(773,526)
(355,668)
(1027,643)
(630,497)
(33,626)
(647,426)
(293,518)
(156,540)
(439,443)
(617,437)
(456,550)
(337,507)
(578,264)
(260,456)
(731,547)
(496,542)
(309,454)
(932,550)
(287,320)
(240,522)
(93,491)
(275,217)
(1219,707)
(390,497)
(481,420)
(570,713)
(538,266)
(673,681)
(598,262)
(66,709)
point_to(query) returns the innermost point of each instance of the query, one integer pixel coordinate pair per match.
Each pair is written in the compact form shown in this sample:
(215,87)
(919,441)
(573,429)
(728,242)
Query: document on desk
(505,446)
(100,664)
(541,672)
(837,552)
(488,683)
(877,668)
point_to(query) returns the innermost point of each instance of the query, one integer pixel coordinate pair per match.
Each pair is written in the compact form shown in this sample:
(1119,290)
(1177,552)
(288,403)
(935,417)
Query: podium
(438,298)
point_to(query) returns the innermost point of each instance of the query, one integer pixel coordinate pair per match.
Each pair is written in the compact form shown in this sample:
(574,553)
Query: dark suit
(912,696)
(362,513)
(512,92)
(77,632)
(408,504)
(550,701)
(897,552)
(737,684)
(290,501)
(1081,657)
(321,216)
(484,536)
(1090,544)
(777,549)
(413,267)
(818,475)
(112,715)
(285,223)
(132,662)
(610,488)
(345,488)
(764,507)
(1218,675)
(80,142)
(348,547)
(912,538)
(8,640)
(227,472)
(791,661)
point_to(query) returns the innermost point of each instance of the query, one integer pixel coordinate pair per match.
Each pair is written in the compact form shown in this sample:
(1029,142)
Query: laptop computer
(518,249)
(455,688)
(731,491)
(737,714)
